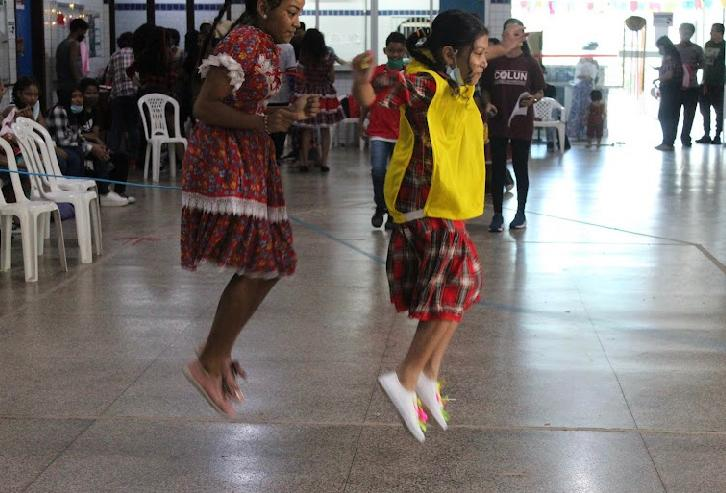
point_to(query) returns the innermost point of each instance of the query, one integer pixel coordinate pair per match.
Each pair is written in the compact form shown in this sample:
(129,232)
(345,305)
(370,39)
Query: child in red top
(383,121)
(596,114)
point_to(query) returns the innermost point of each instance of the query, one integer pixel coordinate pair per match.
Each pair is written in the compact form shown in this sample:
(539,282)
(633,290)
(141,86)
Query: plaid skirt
(433,269)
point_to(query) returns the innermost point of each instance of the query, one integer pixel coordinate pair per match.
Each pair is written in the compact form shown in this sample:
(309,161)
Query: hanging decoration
(554,7)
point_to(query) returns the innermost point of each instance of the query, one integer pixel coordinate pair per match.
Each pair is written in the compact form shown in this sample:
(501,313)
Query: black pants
(712,96)
(689,101)
(520,162)
(669,113)
(125,121)
(117,168)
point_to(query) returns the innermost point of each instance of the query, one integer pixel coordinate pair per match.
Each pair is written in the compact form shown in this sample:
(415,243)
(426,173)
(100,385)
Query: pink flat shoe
(231,370)
(209,387)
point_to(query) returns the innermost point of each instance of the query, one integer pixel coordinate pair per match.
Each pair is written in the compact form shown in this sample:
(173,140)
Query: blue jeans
(381,152)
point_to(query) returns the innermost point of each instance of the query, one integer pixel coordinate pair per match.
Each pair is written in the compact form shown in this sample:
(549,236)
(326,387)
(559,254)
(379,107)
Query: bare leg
(238,303)
(325,144)
(434,364)
(428,337)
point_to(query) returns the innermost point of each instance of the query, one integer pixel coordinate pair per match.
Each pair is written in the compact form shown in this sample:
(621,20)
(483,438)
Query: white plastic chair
(545,117)
(153,115)
(51,167)
(85,203)
(31,214)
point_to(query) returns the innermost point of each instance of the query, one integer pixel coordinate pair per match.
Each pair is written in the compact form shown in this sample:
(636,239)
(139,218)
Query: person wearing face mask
(383,121)
(71,125)
(434,182)
(69,63)
(511,81)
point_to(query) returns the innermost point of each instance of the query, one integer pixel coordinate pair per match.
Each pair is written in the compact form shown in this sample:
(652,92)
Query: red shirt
(383,119)
(505,79)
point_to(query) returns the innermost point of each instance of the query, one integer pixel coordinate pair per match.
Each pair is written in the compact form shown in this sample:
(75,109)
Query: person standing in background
(282,98)
(713,81)
(670,77)
(692,60)
(69,64)
(512,82)
(124,114)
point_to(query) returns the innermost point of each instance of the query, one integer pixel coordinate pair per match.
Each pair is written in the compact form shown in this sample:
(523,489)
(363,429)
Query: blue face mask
(76,108)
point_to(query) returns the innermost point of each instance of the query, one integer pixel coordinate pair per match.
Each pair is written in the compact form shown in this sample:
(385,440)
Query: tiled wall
(497,11)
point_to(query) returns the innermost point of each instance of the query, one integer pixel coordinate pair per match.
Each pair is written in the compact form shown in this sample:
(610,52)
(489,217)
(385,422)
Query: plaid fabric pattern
(121,84)
(416,91)
(64,132)
(433,269)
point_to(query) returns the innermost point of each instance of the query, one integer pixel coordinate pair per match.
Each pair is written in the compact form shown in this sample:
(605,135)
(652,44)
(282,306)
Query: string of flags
(558,6)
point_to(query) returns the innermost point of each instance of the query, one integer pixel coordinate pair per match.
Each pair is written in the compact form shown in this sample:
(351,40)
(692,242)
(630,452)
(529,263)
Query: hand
(100,152)
(527,102)
(363,65)
(491,110)
(61,153)
(306,106)
(517,37)
(26,112)
(279,121)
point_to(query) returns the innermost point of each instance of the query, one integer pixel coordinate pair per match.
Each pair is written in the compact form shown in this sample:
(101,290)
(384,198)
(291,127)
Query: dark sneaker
(716,140)
(377,219)
(389,223)
(704,140)
(686,144)
(497,224)
(664,147)
(519,221)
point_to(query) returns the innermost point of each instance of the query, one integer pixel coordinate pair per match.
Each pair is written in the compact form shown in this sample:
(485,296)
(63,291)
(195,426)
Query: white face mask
(455,74)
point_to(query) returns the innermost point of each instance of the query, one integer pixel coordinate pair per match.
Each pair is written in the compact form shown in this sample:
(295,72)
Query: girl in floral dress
(318,77)
(233,210)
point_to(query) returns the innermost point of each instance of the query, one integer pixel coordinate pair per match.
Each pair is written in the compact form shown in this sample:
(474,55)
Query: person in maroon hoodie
(512,81)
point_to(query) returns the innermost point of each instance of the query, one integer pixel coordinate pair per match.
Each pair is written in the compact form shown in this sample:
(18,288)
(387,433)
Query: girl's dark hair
(669,48)
(126,40)
(248,17)
(22,84)
(313,49)
(150,51)
(596,95)
(450,28)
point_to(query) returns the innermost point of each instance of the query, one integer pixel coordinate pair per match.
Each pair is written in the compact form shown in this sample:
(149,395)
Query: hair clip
(421,41)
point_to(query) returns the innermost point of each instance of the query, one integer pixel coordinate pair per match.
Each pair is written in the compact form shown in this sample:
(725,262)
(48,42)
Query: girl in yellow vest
(434,182)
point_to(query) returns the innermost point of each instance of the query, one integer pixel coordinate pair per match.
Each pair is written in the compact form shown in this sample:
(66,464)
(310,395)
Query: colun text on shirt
(513,77)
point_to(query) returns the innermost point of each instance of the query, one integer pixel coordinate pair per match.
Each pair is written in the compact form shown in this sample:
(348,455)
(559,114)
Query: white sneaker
(429,392)
(406,404)
(112,199)
(132,200)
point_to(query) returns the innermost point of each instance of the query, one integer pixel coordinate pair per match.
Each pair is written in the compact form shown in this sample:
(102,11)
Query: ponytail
(248,18)
(450,28)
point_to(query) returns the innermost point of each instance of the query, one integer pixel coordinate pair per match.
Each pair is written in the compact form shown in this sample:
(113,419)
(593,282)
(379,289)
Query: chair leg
(6,229)
(61,243)
(95,216)
(28,228)
(156,162)
(561,135)
(83,230)
(147,160)
(172,160)
(47,228)
(40,233)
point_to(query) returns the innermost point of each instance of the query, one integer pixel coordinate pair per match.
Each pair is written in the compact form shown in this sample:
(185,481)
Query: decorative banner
(558,6)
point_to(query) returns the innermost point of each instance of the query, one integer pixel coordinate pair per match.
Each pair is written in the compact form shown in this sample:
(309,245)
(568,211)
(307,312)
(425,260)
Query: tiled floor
(595,362)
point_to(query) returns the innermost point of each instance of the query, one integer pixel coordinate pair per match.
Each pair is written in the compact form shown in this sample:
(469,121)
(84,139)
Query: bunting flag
(556,6)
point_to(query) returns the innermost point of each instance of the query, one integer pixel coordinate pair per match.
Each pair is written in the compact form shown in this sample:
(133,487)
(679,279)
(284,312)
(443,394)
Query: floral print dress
(233,209)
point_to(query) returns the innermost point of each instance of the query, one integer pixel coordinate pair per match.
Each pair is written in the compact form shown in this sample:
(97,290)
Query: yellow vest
(457,139)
